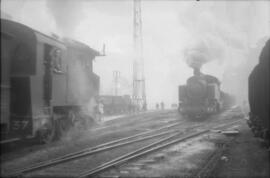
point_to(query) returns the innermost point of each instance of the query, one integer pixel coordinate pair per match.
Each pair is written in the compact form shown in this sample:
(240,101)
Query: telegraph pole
(116,76)
(138,97)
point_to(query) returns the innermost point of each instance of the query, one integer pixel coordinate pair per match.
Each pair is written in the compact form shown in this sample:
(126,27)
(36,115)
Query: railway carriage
(258,93)
(46,83)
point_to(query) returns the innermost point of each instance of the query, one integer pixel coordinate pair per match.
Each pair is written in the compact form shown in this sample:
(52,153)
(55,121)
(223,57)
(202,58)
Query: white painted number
(20,125)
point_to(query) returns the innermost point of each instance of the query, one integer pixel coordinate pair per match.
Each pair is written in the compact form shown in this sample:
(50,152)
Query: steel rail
(133,136)
(110,143)
(146,150)
(213,158)
(145,118)
(90,151)
(116,141)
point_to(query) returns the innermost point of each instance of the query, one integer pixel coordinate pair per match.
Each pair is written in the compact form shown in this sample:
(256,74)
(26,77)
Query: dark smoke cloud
(197,56)
(204,51)
(215,37)
(67,14)
(232,34)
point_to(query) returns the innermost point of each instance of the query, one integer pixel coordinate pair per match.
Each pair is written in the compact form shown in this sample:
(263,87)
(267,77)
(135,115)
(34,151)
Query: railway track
(148,117)
(163,138)
(150,134)
(212,161)
(14,150)
(161,144)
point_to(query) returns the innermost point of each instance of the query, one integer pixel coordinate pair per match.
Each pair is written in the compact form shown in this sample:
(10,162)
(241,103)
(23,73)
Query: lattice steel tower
(139,97)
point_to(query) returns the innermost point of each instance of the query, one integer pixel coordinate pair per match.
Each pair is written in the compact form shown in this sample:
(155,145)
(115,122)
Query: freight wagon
(114,105)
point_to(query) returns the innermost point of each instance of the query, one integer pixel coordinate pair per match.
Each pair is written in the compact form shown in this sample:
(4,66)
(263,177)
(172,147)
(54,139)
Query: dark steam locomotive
(258,93)
(46,84)
(202,96)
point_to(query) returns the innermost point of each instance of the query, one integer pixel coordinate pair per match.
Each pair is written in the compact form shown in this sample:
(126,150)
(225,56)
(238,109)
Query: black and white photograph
(135,88)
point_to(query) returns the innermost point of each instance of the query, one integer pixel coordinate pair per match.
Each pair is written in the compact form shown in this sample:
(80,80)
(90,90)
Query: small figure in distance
(162,105)
(130,108)
(157,106)
(99,110)
(144,106)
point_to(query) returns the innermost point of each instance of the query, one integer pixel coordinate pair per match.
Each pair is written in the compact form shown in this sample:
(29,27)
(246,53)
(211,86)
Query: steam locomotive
(258,93)
(47,85)
(202,96)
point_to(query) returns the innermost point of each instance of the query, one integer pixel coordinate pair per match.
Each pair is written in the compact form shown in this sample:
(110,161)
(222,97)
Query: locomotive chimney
(196,71)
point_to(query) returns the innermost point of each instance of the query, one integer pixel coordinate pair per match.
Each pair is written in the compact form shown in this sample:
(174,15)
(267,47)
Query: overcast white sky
(228,28)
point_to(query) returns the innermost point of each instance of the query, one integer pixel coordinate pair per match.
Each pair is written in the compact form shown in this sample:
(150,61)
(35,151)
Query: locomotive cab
(26,81)
(17,66)
(40,84)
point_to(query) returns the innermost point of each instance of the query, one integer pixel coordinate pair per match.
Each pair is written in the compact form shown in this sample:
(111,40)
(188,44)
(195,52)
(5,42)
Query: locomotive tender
(46,84)
(201,96)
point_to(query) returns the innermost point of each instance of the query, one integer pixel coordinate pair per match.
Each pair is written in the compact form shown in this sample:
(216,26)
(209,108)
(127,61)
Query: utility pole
(138,97)
(116,76)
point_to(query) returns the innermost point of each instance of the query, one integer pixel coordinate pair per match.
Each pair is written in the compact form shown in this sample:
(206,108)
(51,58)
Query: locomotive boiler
(200,96)
(47,84)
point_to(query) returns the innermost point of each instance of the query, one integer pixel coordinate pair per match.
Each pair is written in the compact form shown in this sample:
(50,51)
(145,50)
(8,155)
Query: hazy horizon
(225,32)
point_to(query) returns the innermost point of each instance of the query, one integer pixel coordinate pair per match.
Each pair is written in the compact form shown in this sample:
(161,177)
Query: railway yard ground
(152,144)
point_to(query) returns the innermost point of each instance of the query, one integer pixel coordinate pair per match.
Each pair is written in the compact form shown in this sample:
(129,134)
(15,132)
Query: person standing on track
(157,106)
(162,105)
(99,111)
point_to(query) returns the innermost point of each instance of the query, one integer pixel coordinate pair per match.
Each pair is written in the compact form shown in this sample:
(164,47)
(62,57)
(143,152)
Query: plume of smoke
(216,37)
(197,55)
(203,51)
(67,14)
(227,37)
(80,88)
(22,11)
